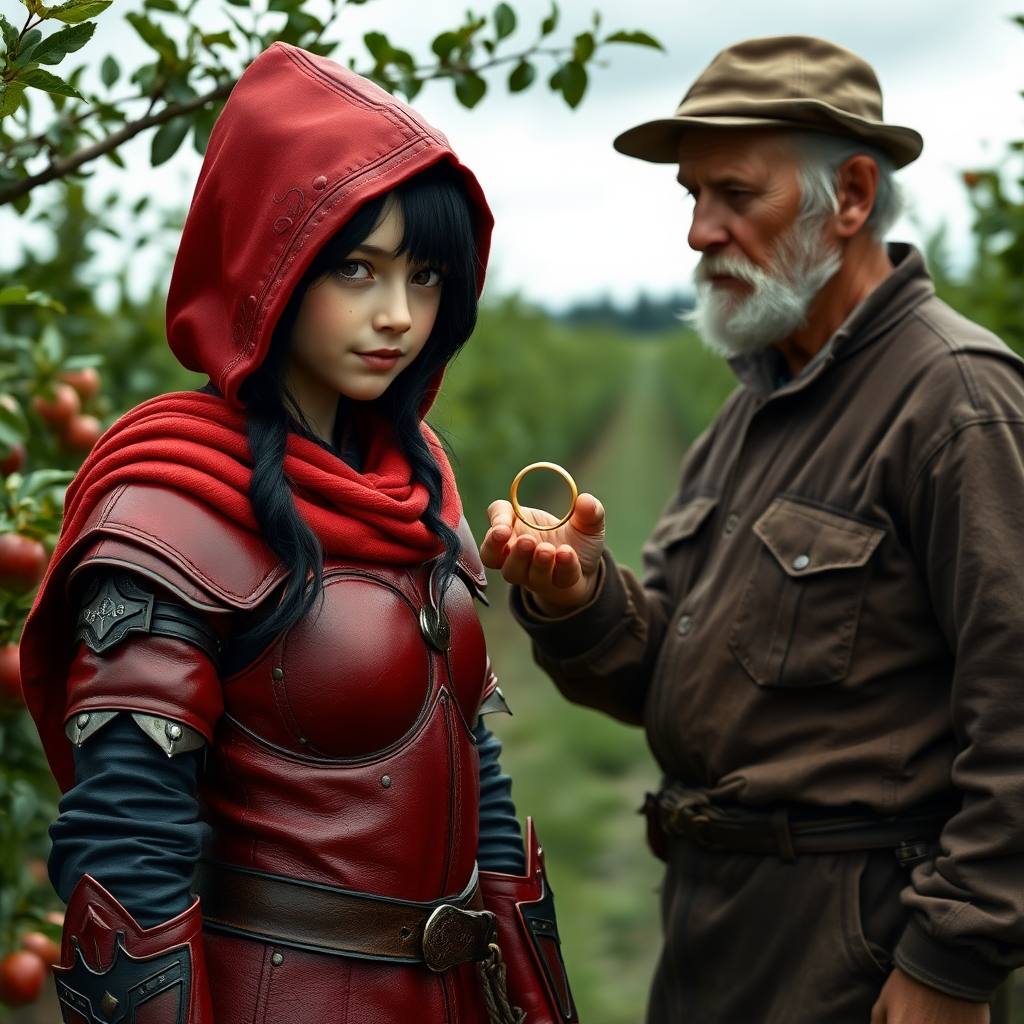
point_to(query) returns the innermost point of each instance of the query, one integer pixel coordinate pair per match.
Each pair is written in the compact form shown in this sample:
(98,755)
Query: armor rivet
(801,562)
(277,959)
(82,721)
(732,522)
(173,731)
(278,673)
(303,741)
(684,625)
(386,781)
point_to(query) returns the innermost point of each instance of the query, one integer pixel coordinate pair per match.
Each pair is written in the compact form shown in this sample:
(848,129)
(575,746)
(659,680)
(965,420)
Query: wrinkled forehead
(727,152)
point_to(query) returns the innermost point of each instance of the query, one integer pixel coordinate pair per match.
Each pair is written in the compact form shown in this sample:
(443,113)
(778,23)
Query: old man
(826,647)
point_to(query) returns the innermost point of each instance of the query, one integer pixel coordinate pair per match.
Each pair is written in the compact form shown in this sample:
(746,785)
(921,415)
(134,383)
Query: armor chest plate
(357,675)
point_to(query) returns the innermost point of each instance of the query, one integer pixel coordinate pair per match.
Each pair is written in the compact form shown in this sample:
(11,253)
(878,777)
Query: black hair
(439,233)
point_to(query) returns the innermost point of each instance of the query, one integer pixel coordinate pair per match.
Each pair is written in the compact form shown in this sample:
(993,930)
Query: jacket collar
(903,290)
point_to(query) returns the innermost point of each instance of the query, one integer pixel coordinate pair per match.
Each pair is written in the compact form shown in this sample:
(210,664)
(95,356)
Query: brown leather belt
(690,815)
(292,912)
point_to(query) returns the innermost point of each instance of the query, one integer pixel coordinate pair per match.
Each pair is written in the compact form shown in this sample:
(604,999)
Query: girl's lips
(382,359)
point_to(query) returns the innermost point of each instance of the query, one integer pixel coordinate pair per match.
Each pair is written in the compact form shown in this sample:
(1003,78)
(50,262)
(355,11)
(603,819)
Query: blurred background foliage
(616,395)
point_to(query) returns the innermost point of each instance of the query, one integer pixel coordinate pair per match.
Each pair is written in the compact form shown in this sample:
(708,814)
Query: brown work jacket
(832,609)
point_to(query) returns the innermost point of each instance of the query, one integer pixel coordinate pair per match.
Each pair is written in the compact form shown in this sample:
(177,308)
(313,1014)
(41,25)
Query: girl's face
(360,326)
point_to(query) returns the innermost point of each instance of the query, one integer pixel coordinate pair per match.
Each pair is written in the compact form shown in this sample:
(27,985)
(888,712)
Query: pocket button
(732,522)
(684,624)
(801,562)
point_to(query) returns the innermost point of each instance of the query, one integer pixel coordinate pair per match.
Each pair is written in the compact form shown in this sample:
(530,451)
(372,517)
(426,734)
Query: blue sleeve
(501,840)
(132,822)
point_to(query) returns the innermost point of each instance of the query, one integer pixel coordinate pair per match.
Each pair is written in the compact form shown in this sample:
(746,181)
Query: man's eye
(352,271)
(427,277)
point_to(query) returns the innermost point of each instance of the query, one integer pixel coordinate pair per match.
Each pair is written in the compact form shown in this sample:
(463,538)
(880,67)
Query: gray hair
(821,155)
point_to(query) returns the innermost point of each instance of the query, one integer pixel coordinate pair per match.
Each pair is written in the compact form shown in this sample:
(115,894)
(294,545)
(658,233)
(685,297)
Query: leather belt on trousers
(292,912)
(690,815)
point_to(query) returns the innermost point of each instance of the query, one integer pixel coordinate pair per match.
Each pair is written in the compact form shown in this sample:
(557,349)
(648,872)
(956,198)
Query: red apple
(86,382)
(43,946)
(14,460)
(10,676)
(59,409)
(21,977)
(81,433)
(22,563)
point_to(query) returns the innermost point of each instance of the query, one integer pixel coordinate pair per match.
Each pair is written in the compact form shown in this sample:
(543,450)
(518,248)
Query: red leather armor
(344,754)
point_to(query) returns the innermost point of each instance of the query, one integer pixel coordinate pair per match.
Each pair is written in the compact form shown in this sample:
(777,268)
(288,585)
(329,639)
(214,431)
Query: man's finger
(516,567)
(588,516)
(500,513)
(567,570)
(541,567)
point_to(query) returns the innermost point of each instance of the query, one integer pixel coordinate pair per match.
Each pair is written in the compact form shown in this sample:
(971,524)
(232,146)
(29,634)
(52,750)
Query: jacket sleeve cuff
(944,968)
(569,636)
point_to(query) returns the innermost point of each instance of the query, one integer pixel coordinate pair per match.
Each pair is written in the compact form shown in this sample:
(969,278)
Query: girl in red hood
(255,662)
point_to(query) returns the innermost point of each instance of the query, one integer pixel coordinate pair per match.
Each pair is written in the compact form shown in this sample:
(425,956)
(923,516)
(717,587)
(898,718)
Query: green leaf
(636,38)
(239,3)
(204,122)
(504,21)
(10,99)
(13,426)
(470,88)
(153,36)
(75,11)
(445,43)
(19,295)
(522,76)
(55,48)
(168,138)
(51,348)
(584,48)
(571,81)
(161,5)
(39,79)
(550,23)
(218,39)
(286,6)
(378,45)
(110,71)
(10,34)
(28,43)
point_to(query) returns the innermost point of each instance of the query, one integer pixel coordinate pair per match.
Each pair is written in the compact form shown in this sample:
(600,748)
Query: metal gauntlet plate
(114,996)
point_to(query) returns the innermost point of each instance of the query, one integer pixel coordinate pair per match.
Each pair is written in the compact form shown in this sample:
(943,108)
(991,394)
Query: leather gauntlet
(528,937)
(113,970)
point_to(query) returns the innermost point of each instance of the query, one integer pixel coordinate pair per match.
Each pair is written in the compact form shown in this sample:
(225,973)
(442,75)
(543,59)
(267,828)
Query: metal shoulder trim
(80,727)
(170,736)
(494,703)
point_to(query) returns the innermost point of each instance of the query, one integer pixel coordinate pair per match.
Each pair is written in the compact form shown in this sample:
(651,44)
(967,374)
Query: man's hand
(906,1001)
(559,567)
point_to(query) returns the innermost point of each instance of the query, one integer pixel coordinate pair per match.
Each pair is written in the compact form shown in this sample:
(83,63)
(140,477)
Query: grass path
(580,774)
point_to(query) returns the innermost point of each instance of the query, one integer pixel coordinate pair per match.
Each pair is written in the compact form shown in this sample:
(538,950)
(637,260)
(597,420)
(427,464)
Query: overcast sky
(577,220)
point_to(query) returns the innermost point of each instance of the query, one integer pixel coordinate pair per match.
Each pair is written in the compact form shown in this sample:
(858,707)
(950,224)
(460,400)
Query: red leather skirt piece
(255,983)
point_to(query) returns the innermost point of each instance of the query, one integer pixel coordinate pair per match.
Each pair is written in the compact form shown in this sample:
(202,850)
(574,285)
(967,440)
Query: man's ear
(855,194)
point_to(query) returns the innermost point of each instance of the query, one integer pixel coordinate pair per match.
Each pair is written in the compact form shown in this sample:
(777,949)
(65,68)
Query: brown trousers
(752,940)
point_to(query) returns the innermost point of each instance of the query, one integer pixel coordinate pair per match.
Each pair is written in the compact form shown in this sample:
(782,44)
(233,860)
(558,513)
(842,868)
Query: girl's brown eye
(353,271)
(427,277)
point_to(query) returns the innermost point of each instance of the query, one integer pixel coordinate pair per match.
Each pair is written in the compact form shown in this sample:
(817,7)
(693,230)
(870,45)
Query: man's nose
(707,229)
(393,314)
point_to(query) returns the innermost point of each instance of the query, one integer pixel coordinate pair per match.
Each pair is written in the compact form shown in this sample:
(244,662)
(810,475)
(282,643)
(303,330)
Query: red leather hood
(300,145)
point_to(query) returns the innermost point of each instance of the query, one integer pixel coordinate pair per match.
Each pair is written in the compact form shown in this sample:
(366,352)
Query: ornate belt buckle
(453,936)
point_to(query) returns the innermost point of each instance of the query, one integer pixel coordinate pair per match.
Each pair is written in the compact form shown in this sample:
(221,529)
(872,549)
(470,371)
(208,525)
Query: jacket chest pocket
(798,616)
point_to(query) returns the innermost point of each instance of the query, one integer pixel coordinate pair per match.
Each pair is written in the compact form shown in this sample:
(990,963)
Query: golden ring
(555,468)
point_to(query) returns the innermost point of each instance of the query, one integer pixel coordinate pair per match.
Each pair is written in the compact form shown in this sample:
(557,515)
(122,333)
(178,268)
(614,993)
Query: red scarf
(196,443)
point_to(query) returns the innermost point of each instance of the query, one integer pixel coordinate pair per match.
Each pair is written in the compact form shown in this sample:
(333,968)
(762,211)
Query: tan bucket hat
(784,81)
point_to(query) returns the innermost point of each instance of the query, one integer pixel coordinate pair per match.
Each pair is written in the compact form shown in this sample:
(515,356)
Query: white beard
(800,266)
